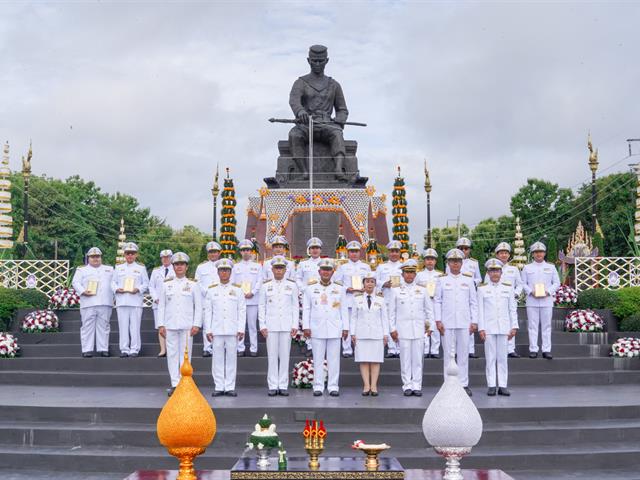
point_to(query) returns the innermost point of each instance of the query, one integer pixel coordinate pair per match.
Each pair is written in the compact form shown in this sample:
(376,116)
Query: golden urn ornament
(186,425)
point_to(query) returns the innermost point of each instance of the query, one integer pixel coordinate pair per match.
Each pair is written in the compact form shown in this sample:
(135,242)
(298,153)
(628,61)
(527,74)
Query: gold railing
(42,275)
(606,272)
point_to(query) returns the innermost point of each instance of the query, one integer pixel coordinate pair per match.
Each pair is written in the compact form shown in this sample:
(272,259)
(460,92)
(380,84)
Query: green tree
(552,249)
(444,238)
(544,208)
(614,206)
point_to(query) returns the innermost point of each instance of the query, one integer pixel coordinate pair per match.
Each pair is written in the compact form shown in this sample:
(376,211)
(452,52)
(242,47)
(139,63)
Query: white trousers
(495,351)
(455,340)
(392,347)
(176,343)
(252,327)
(411,360)
(207,345)
(346,343)
(511,345)
(224,362)
(95,328)
(278,350)
(539,317)
(129,329)
(329,348)
(432,342)
(472,343)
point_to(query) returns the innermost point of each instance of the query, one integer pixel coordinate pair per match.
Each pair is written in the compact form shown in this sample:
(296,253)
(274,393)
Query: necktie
(166,271)
(369,301)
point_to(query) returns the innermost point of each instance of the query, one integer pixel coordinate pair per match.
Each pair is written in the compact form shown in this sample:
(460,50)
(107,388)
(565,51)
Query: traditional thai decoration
(452,423)
(373,254)
(314,435)
(341,248)
(6,220)
(400,219)
(263,439)
(637,216)
(519,252)
(579,245)
(228,239)
(186,425)
(122,239)
(371,451)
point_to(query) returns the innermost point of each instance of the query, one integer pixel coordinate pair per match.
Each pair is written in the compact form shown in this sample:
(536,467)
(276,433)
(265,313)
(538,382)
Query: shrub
(34,298)
(599,298)
(631,323)
(10,301)
(628,302)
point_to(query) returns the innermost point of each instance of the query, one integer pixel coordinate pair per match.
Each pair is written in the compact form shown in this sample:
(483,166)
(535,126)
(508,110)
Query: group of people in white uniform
(345,309)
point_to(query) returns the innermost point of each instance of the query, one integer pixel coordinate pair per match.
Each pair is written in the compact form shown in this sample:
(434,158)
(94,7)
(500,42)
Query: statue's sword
(288,120)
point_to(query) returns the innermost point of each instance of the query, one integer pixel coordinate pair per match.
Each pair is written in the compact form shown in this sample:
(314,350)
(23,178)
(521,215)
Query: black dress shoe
(514,355)
(162,355)
(133,355)
(427,355)
(272,393)
(206,354)
(547,355)
(468,390)
(407,393)
(231,393)
(283,393)
(124,355)
(491,392)
(396,355)
(388,355)
(87,354)
(366,393)
(170,391)
(217,393)
(504,391)
(253,354)
(104,354)
(374,394)
(473,355)
(241,354)
(533,355)
(317,393)
(435,355)
(308,353)
(335,393)
(347,355)
(417,393)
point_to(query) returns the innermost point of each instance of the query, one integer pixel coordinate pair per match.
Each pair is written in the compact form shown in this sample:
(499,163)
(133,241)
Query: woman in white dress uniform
(369,325)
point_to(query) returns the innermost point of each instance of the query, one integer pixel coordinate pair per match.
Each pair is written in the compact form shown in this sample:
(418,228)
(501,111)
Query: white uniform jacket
(103,275)
(138,272)
(540,272)
(497,308)
(180,306)
(225,311)
(278,309)
(410,308)
(456,301)
(369,323)
(324,310)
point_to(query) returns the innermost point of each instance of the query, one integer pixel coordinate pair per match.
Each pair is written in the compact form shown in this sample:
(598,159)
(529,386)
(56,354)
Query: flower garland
(228,239)
(303,374)
(583,321)
(626,347)
(40,321)
(566,296)
(64,298)
(9,347)
(400,220)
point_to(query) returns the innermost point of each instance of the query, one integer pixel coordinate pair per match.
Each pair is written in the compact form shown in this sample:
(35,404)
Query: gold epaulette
(421,284)
(473,259)
(380,294)
(237,285)
(202,263)
(337,282)
(291,280)
(140,263)
(168,279)
(438,271)
(213,285)
(468,274)
(313,281)
(357,294)
(266,281)
(482,284)
(508,284)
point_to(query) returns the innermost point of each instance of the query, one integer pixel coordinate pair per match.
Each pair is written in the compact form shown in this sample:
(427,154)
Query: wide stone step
(399,435)
(258,365)
(46,350)
(432,377)
(151,336)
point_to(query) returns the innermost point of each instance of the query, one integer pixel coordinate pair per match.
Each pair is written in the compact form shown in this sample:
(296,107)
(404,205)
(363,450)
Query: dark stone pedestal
(325,227)
(324,166)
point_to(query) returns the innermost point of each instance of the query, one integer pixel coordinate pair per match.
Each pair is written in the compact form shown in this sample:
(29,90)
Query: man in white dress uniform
(248,274)
(93,283)
(428,278)
(388,276)
(206,275)
(158,276)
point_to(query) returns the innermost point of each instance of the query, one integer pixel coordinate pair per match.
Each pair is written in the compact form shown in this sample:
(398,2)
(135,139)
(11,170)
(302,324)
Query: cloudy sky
(146,97)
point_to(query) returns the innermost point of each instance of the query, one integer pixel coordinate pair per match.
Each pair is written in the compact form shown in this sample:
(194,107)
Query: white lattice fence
(607,272)
(47,274)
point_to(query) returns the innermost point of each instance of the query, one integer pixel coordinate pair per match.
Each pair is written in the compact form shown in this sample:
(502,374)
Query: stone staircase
(63,413)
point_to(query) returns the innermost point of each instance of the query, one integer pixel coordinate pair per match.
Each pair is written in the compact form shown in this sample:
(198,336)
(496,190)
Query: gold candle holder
(314,442)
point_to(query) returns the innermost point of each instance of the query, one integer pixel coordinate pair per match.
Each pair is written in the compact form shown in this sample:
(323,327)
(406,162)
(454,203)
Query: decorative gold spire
(121,241)
(427,180)
(593,155)
(186,425)
(519,257)
(216,188)
(6,221)
(580,244)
